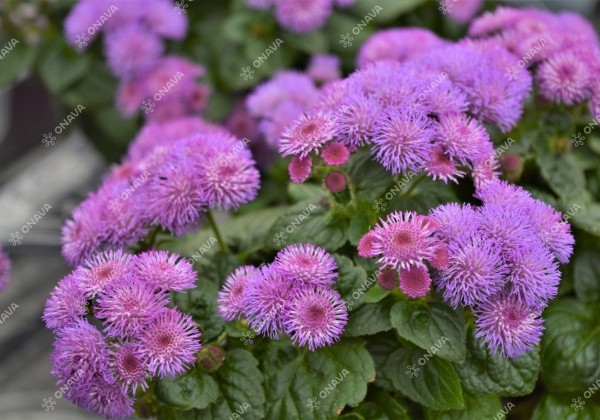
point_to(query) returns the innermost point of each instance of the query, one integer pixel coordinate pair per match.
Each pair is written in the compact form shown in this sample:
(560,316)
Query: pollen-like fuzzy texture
(164,271)
(336,181)
(403,142)
(306,263)
(440,166)
(231,299)
(82,235)
(105,398)
(129,367)
(67,303)
(316,316)
(299,169)
(102,270)
(403,240)
(507,228)
(335,154)
(564,78)
(415,281)
(463,138)
(128,306)
(387,279)
(507,326)
(552,230)
(366,245)
(169,345)
(303,15)
(4,269)
(266,300)
(131,50)
(441,259)
(357,119)
(454,220)
(308,133)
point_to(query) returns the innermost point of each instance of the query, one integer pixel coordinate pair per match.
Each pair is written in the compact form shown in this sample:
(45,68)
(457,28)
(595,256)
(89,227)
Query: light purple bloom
(306,263)
(67,303)
(231,299)
(164,271)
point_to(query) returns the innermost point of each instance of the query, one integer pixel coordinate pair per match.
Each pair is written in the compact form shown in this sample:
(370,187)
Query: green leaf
(427,195)
(586,273)
(305,191)
(563,174)
(588,219)
(433,326)
(482,372)
(478,406)
(17,61)
(563,408)
(381,347)
(201,303)
(571,345)
(331,376)
(376,293)
(359,225)
(192,390)
(390,9)
(241,390)
(369,319)
(60,67)
(371,179)
(389,405)
(434,381)
(352,282)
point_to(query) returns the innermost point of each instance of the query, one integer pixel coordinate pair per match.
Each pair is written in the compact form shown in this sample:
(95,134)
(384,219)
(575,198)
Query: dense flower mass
(173,174)
(4,269)
(294,294)
(500,258)
(114,330)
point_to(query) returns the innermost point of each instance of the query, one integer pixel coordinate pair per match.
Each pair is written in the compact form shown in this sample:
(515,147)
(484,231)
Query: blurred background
(43,79)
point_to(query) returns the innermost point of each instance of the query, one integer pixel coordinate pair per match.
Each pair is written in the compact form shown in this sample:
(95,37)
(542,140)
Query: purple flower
(81,236)
(357,118)
(386,278)
(131,50)
(454,220)
(170,343)
(463,138)
(415,281)
(336,181)
(564,77)
(324,68)
(160,19)
(231,299)
(508,228)
(299,169)
(552,230)
(335,154)
(306,263)
(67,303)
(164,271)
(129,367)
(507,326)
(102,270)
(316,316)
(303,15)
(308,133)
(105,398)
(440,166)
(366,245)
(4,269)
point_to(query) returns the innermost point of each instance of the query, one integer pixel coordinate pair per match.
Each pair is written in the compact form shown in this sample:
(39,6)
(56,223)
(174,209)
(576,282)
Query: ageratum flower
(335,154)
(105,398)
(81,236)
(164,271)
(4,269)
(129,367)
(299,169)
(231,299)
(336,181)
(67,303)
(102,270)
(306,263)
(366,245)
(303,15)
(415,281)
(386,278)
(131,50)
(307,134)
(564,77)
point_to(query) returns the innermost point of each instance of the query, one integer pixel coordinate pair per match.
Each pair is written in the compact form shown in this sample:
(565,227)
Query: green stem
(414,184)
(215,229)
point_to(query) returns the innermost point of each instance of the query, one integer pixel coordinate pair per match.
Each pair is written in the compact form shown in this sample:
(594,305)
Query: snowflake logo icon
(48,139)
(148,106)
(346,40)
(577,139)
(313,404)
(180,7)
(348,302)
(511,73)
(81,40)
(247,338)
(280,239)
(379,205)
(577,404)
(445,7)
(412,371)
(247,73)
(15,238)
(48,404)
(115,205)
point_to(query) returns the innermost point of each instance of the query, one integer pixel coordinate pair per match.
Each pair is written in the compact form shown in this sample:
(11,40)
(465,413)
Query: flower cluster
(300,15)
(141,338)
(460,11)
(562,49)
(501,259)
(4,269)
(294,294)
(164,86)
(172,174)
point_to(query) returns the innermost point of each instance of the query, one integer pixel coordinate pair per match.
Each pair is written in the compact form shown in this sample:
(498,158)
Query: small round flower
(415,282)
(4,269)
(366,245)
(303,16)
(131,50)
(463,138)
(129,367)
(511,162)
(165,271)
(308,133)
(564,78)
(231,299)
(170,343)
(81,236)
(440,166)
(265,301)
(299,169)
(441,259)
(554,232)
(475,274)
(67,303)
(316,316)
(335,154)
(508,327)
(102,270)
(357,118)
(454,220)
(388,279)
(128,306)
(336,181)
(403,141)
(105,398)
(306,263)
(403,240)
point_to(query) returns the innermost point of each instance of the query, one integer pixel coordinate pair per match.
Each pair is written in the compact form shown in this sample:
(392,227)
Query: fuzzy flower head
(67,303)
(441,166)
(564,78)
(454,220)
(231,299)
(299,169)
(357,118)
(4,269)
(415,281)
(131,50)
(335,154)
(129,367)
(552,230)
(303,15)
(102,270)
(316,316)
(164,271)
(403,240)
(306,263)
(308,133)
(336,181)
(105,398)
(463,138)
(387,279)
(508,327)
(169,345)
(82,235)
(366,245)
